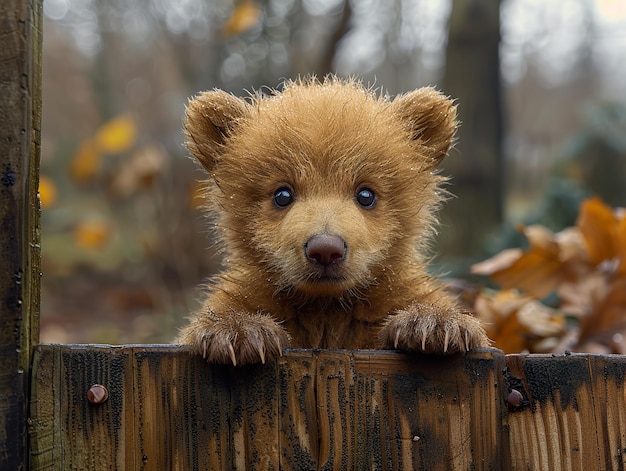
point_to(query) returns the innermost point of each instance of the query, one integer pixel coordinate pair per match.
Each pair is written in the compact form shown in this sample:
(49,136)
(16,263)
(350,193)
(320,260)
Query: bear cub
(324,197)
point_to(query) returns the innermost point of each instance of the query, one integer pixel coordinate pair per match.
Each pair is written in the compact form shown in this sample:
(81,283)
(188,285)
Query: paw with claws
(238,338)
(425,328)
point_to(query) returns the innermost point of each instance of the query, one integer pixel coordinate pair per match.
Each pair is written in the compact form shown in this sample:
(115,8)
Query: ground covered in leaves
(565,292)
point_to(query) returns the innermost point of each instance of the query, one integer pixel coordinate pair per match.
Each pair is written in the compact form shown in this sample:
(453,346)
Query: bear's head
(326,187)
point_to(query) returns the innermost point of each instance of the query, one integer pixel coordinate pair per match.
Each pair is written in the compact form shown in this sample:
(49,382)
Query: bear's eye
(366,198)
(283,197)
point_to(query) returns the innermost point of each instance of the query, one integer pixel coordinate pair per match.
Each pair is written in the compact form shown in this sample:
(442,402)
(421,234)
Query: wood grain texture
(441,413)
(573,416)
(309,410)
(20,125)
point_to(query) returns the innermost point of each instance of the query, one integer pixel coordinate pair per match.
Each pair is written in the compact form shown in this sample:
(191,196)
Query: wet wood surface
(572,415)
(327,410)
(310,410)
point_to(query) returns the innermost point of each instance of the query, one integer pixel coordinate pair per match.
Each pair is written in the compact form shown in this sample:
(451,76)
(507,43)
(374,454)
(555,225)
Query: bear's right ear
(210,118)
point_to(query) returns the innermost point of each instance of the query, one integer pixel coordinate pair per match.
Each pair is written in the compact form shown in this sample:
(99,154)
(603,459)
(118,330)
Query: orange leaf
(537,272)
(93,234)
(540,237)
(518,323)
(511,336)
(117,135)
(86,162)
(244,17)
(139,171)
(498,262)
(47,192)
(541,321)
(620,243)
(572,247)
(598,224)
(497,315)
(609,314)
(579,295)
(540,269)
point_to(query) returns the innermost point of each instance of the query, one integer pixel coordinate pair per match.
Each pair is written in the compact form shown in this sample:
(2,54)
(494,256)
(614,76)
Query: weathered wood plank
(181,411)
(573,415)
(309,410)
(254,403)
(435,413)
(75,432)
(299,432)
(20,138)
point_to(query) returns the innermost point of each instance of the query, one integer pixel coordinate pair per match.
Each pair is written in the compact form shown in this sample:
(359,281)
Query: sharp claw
(205,347)
(396,341)
(231,352)
(445,341)
(261,352)
(467,341)
(423,342)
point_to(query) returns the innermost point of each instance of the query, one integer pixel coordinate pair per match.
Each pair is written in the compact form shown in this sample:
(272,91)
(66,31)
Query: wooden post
(20,119)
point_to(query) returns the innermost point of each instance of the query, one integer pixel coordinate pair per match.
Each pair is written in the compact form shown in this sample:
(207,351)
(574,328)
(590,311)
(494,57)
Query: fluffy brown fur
(326,269)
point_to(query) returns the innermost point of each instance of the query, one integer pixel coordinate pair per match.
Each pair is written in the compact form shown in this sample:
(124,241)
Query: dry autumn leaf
(497,322)
(85,162)
(499,262)
(620,237)
(598,223)
(93,234)
(244,17)
(579,296)
(47,192)
(117,135)
(518,323)
(548,262)
(608,317)
(139,171)
(536,271)
(586,268)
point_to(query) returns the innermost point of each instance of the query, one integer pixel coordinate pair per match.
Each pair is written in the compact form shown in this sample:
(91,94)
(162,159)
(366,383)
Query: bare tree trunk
(326,65)
(321,63)
(473,79)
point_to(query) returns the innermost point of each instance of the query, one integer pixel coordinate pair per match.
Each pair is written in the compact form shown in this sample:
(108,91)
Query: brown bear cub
(324,197)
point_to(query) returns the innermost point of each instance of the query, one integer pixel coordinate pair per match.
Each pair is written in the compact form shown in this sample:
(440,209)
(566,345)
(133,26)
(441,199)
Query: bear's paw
(238,338)
(426,328)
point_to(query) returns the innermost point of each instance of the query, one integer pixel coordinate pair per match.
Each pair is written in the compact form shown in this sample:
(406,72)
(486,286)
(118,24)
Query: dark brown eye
(283,197)
(366,198)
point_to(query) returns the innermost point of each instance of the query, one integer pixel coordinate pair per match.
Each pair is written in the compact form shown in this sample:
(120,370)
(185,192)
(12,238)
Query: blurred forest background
(541,93)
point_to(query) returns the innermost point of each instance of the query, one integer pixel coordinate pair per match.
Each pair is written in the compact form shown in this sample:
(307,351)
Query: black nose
(325,249)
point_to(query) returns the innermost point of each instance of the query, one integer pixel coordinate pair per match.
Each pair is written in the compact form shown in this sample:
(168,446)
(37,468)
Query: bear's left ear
(210,119)
(431,117)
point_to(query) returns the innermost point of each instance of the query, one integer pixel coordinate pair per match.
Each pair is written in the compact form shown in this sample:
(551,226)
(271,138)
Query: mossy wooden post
(20,118)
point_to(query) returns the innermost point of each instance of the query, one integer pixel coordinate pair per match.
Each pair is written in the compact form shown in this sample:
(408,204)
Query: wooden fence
(325,410)
(81,407)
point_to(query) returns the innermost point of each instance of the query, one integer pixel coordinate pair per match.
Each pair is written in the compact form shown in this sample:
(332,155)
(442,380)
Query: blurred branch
(326,65)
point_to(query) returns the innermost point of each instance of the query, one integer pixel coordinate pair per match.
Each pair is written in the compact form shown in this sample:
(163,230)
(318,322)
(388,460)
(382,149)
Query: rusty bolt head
(514,399)
(97,394)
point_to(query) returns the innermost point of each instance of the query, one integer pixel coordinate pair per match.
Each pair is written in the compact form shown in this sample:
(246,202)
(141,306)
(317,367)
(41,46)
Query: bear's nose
(325,249)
